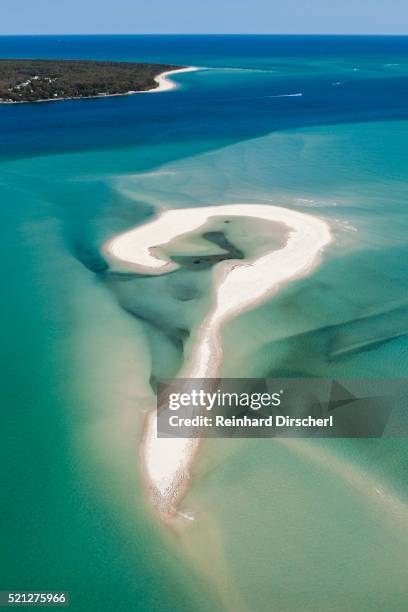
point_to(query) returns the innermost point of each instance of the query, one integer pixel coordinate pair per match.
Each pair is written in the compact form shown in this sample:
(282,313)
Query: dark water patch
(90,210)
(183,291)
(166,356)
(91,259)
(176,335)
(168,305)
(194,262)
(220,239)
(155,318)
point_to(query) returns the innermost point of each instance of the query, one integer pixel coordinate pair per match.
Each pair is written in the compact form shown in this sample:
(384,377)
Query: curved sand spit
(165,83)
(237,287)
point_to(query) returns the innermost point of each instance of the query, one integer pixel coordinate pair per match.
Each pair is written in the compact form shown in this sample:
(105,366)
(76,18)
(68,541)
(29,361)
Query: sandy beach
(238,286)
(164,82)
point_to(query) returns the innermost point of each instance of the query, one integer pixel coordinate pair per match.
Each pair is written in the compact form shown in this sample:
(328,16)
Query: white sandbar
(238,286)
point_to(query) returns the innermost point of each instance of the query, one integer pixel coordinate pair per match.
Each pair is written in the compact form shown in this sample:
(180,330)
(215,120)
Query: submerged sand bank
(238,286)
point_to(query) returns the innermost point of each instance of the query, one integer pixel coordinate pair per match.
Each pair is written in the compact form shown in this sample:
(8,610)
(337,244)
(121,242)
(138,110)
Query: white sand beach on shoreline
(238,285)
(164,82)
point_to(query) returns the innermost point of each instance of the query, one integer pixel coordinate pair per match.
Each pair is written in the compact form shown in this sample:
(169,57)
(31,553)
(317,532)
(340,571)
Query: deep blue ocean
(228,105)
(318,123)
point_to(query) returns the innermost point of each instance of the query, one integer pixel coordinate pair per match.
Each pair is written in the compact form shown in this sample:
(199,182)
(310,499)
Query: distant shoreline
(164,83)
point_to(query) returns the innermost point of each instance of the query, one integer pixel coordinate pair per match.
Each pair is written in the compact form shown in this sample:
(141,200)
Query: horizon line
(356,34)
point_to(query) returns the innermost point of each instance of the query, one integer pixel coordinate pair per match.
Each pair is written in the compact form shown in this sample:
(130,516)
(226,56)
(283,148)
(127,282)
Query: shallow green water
(301,526)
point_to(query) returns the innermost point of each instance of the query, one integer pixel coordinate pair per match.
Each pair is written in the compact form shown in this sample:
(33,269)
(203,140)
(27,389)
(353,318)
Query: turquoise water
(319,526)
